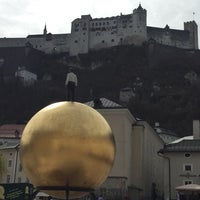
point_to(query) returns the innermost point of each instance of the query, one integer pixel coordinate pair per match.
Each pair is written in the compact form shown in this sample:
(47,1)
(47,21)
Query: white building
(26,77)
(182,162)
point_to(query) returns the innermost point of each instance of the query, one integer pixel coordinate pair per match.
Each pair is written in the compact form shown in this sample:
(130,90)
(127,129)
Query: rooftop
(182,146)
(103,103)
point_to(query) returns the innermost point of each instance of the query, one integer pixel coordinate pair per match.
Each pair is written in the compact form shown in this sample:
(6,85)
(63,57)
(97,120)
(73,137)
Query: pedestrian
(100,197)
(71,84)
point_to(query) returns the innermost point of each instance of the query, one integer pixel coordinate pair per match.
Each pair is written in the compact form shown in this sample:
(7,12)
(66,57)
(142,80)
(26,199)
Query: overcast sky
(18,18)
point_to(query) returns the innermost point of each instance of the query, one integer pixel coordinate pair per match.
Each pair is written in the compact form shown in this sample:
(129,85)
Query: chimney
(196,129)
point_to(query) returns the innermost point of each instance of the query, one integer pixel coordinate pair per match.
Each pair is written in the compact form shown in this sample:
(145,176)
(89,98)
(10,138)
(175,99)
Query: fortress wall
(62,44)
(102,33)
(115,31)
(103,39)
(12,42)
(171,37)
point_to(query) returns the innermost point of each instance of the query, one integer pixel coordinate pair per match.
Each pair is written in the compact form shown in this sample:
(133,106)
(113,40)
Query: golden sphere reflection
(67,144)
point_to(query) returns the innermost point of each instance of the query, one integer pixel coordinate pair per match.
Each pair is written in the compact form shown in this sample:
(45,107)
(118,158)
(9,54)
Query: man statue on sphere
(71,84)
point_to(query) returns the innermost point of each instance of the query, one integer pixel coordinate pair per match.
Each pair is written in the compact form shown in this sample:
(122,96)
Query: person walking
(71,84)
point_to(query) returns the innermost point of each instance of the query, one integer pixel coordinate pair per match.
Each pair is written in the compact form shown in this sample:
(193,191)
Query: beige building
(137,165)
(9,150)
(11,160)
(182,162)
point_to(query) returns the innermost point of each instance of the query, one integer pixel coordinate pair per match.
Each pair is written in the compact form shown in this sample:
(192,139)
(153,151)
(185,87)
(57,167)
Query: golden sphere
(67,144)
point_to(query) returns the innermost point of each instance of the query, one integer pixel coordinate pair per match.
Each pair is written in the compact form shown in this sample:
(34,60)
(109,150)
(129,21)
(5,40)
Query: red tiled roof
(11,130)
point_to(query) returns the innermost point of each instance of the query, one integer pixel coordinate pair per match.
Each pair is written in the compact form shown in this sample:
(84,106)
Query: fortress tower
(140,22)
(80,35)
(193,30)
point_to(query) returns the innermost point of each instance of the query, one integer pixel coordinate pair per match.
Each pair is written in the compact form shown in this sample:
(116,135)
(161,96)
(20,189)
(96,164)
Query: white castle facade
(92,34)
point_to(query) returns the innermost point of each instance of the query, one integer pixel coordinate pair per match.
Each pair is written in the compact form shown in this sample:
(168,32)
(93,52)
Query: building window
(187,182)
(76,41)
(9,163)
(8,178)
(187,155)
(102,41)
(187,167)
(112,40)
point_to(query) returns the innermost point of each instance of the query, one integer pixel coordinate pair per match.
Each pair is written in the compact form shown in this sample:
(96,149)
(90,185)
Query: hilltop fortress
(93,34)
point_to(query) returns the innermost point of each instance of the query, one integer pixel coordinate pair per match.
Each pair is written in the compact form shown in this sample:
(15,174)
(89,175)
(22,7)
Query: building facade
(10,135)
(137,166)
(89,34)
(182,165)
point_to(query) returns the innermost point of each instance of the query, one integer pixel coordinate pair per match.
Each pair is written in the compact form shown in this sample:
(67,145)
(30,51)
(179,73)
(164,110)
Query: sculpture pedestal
(65,188)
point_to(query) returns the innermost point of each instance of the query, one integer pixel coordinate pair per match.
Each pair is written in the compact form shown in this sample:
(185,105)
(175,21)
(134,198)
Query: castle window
(10,163)
(92,24)
(103,23)
(112,40)
(84,29)
(96,24)
(130,26)
(100,24)
(75,41)
(107,23)
(114,22)
(84,33)
(76,30)
(103,41)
